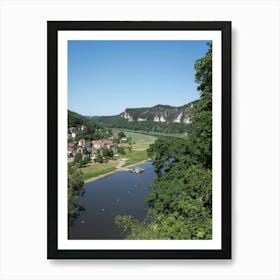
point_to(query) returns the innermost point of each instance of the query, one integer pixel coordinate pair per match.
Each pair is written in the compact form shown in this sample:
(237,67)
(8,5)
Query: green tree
(203,71)
(129,140)
(75,190)
(85,161)
(126,223)
(107,153)
(121,134)
(99,156)
(78,159)
(201,130)
(180,205)
(121,150)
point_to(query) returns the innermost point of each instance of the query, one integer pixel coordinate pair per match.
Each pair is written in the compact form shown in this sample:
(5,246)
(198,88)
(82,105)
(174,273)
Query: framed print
(139,140)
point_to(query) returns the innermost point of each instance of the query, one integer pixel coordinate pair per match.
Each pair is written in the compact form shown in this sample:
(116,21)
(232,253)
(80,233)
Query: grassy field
(140,141)
(135,157)
(140,144)
(152,134)
(98,169)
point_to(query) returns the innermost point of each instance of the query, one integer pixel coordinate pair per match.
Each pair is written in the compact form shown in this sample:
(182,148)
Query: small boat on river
(136,170)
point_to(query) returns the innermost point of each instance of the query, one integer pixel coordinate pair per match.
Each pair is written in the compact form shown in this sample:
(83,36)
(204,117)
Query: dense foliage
(80,161)
(180,205)
(91,131)
(119,122)
(144,119)
(201,132)
(75,119)
(75,190)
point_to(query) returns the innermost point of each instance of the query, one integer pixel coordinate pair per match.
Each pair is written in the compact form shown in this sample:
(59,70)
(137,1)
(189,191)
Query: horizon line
(131,108)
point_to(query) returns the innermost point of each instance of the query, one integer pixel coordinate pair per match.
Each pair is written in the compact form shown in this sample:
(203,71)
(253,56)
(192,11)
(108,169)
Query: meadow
(140,143)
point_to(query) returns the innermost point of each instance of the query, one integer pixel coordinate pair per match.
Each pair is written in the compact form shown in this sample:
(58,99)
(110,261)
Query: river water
(122,193)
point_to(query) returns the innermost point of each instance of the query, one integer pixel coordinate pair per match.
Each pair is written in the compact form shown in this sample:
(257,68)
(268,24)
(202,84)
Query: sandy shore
(115,171)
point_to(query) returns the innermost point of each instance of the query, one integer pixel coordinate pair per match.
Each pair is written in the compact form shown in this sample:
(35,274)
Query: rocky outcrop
(141,120)
(187,120)
(127,116)
(160,113)
(178,119)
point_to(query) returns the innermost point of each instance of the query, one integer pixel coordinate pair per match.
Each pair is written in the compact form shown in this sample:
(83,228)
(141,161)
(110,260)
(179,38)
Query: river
(122,193)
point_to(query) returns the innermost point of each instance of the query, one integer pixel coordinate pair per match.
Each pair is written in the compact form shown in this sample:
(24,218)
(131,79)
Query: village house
(98,144)
(70,151)
(107,144)
(72,144)
(71,148)
(81,143)
(81,146)
(72,129)
(72,132)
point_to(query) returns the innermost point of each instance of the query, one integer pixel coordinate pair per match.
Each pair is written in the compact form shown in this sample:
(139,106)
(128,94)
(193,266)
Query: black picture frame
(53,27)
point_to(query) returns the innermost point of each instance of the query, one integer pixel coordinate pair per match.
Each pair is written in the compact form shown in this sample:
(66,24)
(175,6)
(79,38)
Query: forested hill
(160,118)
(76,120)
(83,127)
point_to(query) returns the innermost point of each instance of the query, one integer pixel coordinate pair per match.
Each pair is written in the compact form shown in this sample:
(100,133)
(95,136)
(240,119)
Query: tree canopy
(91,130)
(180,205)
(75,190)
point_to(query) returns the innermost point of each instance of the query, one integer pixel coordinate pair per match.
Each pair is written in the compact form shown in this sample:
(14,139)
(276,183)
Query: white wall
(255,139)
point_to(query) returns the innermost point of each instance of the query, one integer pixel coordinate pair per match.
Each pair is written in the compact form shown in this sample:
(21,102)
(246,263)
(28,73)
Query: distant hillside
(160,113)
(83,127)
(77,120)
(160,118)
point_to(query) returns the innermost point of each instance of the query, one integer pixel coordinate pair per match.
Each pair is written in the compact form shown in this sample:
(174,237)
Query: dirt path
(121,163)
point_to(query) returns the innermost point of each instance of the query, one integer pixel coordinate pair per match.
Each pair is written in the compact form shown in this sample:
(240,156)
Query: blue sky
(106,77)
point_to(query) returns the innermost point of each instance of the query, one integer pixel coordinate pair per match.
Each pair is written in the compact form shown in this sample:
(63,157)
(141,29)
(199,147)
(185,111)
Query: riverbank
(115,171)
(134,154)
(122,193)
(97,169)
